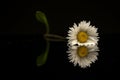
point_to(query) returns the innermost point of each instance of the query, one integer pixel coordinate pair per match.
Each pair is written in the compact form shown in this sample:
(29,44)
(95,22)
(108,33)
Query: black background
(22,39)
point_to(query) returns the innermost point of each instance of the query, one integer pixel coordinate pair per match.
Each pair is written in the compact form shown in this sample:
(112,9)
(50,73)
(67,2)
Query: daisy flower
(82,55)
(83,34)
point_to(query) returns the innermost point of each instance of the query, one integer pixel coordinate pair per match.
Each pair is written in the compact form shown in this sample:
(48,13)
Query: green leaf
(40,16)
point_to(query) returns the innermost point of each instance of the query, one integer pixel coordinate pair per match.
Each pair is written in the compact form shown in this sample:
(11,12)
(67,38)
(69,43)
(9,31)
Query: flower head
(83,55)
(83,34)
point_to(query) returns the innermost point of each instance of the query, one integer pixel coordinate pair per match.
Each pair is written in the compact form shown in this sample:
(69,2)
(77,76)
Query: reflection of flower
(82,55)
(83,34)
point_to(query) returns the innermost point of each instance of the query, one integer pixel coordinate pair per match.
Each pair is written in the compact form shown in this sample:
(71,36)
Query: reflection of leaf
(43,57)
(40,16)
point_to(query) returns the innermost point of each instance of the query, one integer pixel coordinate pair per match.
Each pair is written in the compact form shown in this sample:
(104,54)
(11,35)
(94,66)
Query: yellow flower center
(82,51)
(82,37)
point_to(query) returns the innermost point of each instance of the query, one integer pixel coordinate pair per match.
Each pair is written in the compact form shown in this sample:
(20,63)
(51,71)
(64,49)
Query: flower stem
(53,37)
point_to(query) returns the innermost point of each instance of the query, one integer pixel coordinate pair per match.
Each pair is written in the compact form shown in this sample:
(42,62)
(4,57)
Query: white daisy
(83,55)
(83,34)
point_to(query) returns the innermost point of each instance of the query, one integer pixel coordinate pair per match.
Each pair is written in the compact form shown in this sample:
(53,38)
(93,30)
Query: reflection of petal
(89,43)
(74,42)
(73,47)
(85,61)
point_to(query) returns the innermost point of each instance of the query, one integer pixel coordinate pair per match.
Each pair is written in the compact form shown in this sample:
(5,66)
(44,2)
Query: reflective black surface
(22,40)
(20,52)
